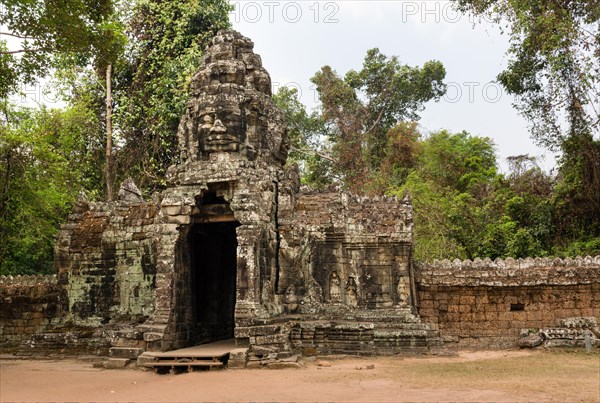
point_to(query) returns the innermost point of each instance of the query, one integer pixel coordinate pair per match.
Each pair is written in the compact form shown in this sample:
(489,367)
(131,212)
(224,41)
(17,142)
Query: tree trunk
(108,167)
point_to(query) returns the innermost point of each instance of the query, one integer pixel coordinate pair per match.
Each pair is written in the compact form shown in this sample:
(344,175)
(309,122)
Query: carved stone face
(221,131)
(231,110)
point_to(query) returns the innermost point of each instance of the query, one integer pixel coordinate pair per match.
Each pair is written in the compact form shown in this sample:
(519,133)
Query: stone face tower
(231,110)
(233,249)
(233,144)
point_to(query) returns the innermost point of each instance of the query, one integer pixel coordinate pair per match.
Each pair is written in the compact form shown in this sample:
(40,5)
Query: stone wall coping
(509,272)
(28,279)
(510,263)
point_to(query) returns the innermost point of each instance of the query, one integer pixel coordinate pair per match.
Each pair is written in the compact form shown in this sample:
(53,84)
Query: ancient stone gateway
(255,258)
(233,248)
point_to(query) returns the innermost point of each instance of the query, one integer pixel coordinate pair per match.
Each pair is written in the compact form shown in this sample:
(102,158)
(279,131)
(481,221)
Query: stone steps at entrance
(211,355)
(183,363)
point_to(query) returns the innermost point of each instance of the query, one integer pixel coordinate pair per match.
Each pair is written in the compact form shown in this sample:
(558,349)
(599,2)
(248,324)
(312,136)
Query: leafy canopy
(362,107)
(167,39)
(43,32)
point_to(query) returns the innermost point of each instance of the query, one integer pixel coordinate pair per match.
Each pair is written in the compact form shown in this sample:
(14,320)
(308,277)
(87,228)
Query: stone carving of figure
(291,299)
(351,293)
(402,290)
(335,289)
(268,300)
(267,296)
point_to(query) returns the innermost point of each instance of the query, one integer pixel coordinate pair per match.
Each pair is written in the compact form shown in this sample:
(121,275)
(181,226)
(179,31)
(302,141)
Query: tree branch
(312,153)
(12,52)
(383,95)
(16,35)
(379,117)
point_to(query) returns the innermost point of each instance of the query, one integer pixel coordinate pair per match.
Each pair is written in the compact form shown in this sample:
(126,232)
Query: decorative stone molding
(29,280)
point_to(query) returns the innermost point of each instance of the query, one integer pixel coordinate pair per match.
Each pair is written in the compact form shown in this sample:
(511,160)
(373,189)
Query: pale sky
(296,38)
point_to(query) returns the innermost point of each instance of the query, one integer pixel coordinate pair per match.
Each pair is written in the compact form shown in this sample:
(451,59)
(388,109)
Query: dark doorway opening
(213,250)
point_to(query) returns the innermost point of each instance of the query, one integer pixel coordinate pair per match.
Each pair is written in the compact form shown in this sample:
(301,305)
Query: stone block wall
(105,257)
(484,303)
(29,305)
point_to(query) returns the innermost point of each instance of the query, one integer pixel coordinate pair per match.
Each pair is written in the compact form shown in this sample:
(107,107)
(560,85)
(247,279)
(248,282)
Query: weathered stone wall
(485,304)
(347,251)
(29,305)
(105,257)
(34,320)
(344,279)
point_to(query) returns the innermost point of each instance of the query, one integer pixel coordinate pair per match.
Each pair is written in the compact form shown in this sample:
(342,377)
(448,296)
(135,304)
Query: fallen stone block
(578,322)
(116,363)
(125,352)
(531,341)
(283,365)
(238,358)
(253,365)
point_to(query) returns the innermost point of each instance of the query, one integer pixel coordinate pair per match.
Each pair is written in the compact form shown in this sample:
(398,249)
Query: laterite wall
(484,303)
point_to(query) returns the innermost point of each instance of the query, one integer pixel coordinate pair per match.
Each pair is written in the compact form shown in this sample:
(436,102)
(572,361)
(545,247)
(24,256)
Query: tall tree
(554,65)
(362,107)
(58,34)
(554,73)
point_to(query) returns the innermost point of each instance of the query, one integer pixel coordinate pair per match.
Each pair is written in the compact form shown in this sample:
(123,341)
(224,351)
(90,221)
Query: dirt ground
(471,376)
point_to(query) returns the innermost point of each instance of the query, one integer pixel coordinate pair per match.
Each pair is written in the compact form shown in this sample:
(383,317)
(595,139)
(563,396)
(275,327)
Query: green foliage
(465,209)
(78,30)
(307,137)
(577,195)
(44,155)
(458,161)
(586,247)
(8,76)
(554,63)
(431,231)
(554,73)
(166,42)
(362,107)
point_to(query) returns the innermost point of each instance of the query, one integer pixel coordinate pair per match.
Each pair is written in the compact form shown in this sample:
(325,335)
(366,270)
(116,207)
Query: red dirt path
(482,376)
